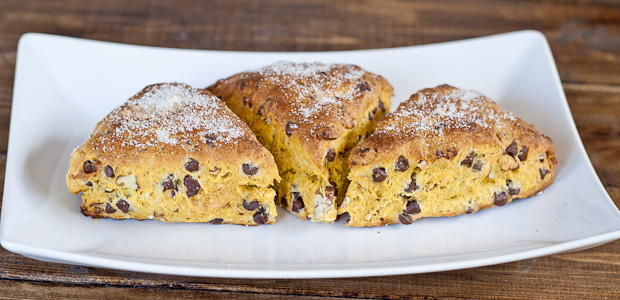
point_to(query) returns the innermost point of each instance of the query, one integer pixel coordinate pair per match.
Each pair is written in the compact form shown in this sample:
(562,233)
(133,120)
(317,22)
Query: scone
(445,152)
(309,115)
(175,154)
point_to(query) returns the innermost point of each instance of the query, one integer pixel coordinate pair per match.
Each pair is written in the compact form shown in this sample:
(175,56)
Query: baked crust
(309,115)
(143,152)
(453,144)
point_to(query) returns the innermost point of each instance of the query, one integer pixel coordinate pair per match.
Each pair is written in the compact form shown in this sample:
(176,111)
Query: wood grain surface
(584,37)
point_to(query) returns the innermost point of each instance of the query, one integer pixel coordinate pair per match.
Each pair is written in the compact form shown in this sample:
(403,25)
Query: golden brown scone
(175,154)
(445,152)
(309,115)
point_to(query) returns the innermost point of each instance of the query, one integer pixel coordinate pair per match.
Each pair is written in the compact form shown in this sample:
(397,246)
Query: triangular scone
(175,154)
(309,115)
(445,152)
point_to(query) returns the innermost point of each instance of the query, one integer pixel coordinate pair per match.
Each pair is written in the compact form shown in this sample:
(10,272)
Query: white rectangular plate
(63,86)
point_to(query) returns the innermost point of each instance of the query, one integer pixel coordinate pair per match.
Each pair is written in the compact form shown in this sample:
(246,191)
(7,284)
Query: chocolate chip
(242,84)
(84,210)
(335,186)
(123,205)
(412,186)
(448,153)
(405,219)
(298,202)
(290,125)
(514,191)
(89,166)
(374,111)
(469,210)
(523,153)
(250,205)
(249,169)
(363,86)
(261,108)
(370,116)
(216,221)
(169,183)
(109,209)
(381,106)
(412,207)
(261,217)
(511,189)
(192,165)
(210,139)
(331,190)
(402,164)
(328,133)
(500,199)
(469,159)
(109,172)
(88,183)
(192,185)
(331,155)
(378,174)
(477,166)
(512,149)
(543,173)
(244,100)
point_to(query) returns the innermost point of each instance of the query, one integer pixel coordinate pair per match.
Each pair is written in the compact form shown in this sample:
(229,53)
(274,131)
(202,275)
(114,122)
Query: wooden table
(584,36)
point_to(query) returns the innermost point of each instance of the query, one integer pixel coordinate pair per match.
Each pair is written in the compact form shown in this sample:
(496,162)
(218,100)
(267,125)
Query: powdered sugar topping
(295,69)
(433,111)
(314,90)
(172,114)
(319,104)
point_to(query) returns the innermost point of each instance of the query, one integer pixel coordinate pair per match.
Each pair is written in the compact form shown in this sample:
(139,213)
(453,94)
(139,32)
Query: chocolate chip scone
(445,152)
(175,154)
(309,115)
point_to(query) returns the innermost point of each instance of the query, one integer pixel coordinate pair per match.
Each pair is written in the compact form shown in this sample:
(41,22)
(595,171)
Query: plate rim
(332,272)
(272,272)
